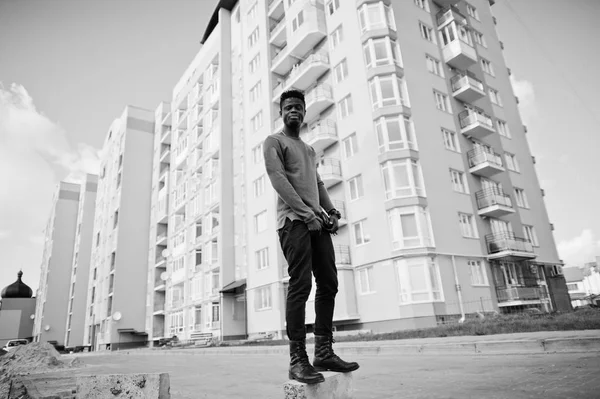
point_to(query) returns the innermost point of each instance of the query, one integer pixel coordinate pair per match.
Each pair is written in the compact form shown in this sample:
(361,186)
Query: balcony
(163,206)
(318,100)
(321,135)
(160,285)
(507,245)
(159,308)
(475,123)
(303,75)
(341,206)
(277,33)
(528,294)
(166,137)
(448,14)
(161,240)
(493,202)
(165,154)
(330,170)
(446,3)
(342,255)
(466,88)
(275,10)
(303,40)
(160,261)
(459,54)
(210,145)
(484,163)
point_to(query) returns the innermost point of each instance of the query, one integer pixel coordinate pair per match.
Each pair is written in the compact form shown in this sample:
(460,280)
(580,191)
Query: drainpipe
(458,291)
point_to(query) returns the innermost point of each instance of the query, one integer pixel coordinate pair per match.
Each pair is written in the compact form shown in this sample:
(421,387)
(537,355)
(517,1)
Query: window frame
(422,219)
(261,257)
(403,279)
(367,272)
(480,267)
(260,220)
(472,225)
(454,138)
(364,238)
(360,189)
(341,67)
(427,32)
(462,186)
(531,235)
(398,87)
(437,95)
(345,104)
(385,13)
(408,136)
(437,68)
(332,6)
(337,36)
(352,139)
(393,53)
(412,168)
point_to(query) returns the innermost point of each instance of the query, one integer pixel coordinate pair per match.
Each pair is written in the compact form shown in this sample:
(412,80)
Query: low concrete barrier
(335,386)
(130,386)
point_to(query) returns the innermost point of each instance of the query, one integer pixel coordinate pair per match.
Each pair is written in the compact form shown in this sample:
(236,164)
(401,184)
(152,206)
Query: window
(215,310)
(459,182)
(467,225)
(257,154)
(356,187)
(179,264)
(365,280)
(255,92)
(495,97)
(259,186)
(263,298)
(511,162)
(345,106)
(388,91)
(337,36)
(376,16)
(382,51)
(395,133)
(341,71)
(572,287)
(521,198)
(424,4)
(298,21)
(503,129)
(359,233)
(116,219)
(253,38)
(478,274)
(434,65)
(402,178)
(410,227)
(418,280)
(179,239)
(530,235)
(255,63)
(252,12)
(332,6)
(426,32)
(472,11)
(479,39)
(441,101)
(487,67)
(350,145)
(262,258)
(257,121)
(450,140)
(260,222)
(452,32)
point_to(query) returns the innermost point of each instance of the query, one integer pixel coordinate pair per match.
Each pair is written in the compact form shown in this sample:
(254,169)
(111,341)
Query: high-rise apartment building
(420,144)
(52,297)
(82,255)
(116,306)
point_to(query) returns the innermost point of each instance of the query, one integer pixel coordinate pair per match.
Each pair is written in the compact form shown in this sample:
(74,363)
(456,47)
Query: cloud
(35,154)
(524,90)
(4,234)
(580,249)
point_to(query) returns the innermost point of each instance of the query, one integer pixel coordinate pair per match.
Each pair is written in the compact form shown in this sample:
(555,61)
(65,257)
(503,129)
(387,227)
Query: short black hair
(293,93)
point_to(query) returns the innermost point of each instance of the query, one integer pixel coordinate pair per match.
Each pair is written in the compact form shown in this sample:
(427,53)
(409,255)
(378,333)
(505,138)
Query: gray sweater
(292,168)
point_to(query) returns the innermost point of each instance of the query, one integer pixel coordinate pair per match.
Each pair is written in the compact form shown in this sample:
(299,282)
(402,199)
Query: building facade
(116,305)
(52,297)
(420,144)
(81,263)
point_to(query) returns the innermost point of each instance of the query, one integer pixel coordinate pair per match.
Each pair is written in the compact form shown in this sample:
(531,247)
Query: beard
(295,122)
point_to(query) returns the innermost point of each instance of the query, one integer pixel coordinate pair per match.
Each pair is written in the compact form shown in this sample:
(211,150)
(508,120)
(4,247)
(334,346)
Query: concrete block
(129,386)
(335,386)
(513,346)
(584,344)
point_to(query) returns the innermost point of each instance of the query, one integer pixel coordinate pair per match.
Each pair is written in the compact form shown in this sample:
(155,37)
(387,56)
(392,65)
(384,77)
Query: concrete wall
(15,320)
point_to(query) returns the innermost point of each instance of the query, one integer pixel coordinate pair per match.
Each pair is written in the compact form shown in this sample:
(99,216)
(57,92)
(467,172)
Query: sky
(69,67)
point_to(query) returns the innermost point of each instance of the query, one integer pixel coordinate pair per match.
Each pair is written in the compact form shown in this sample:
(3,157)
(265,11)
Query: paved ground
(573,375)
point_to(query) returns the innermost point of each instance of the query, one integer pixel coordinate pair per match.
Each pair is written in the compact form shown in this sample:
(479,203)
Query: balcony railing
(277,26)
(478,156)
(280,54)
(342,254)
(470,116)
(523,293)
(330,166)
(159,306)
(340,206)
(326,128)
(322,90)
(492,196)
(507,241)
(449,13)
(462,79)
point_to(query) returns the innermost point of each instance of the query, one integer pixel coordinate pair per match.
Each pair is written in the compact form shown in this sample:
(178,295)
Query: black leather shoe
(327,360)
(300,368)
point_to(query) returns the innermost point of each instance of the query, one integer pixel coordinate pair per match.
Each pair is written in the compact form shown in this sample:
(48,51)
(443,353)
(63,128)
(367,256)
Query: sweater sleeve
(324,199)
(274,164)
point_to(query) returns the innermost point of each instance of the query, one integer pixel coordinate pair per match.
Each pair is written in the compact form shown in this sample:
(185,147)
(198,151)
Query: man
(292,168)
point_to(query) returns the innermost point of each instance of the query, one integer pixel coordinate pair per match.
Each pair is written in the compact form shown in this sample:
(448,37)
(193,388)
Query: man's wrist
(334,212)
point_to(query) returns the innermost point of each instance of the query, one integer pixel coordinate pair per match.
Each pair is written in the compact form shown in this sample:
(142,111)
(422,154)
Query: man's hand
(334,220)
(315,225)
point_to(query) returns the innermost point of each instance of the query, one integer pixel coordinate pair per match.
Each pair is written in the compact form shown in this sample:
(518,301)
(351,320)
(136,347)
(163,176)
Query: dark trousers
(307,251)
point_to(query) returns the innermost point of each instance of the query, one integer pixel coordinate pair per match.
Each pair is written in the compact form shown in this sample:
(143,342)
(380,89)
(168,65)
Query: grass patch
(585,319)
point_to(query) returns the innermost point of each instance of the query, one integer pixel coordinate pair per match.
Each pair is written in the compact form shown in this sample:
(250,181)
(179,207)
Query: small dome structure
(18,289)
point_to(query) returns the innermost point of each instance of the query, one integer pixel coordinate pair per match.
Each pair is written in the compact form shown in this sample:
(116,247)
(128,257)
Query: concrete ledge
(130,386)
(459,347)
(335,386)
(520,346)
(591,344)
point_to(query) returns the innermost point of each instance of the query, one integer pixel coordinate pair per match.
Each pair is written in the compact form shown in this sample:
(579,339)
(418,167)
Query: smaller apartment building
(116,297)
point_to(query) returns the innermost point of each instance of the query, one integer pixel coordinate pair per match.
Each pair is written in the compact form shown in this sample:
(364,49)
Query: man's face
(292,112)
